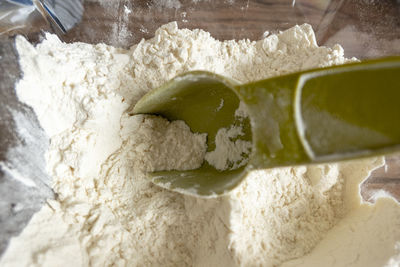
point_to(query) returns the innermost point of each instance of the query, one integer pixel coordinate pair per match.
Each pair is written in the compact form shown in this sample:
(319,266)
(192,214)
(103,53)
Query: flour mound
(163,145)
(108,214)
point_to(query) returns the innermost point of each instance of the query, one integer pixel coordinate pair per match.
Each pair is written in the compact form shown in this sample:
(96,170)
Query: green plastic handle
(319,115)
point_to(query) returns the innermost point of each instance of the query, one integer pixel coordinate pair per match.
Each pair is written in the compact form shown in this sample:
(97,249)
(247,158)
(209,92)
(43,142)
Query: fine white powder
(230,151)
(107,213)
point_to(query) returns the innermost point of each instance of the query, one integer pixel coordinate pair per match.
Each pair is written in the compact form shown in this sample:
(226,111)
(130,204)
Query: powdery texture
(229,150)
(107,213)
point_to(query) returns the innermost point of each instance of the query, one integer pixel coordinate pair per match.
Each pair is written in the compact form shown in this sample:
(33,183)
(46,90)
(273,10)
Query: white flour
(231,152)
(107,213)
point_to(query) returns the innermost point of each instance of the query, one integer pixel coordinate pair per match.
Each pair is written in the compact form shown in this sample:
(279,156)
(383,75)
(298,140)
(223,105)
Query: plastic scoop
(315,116)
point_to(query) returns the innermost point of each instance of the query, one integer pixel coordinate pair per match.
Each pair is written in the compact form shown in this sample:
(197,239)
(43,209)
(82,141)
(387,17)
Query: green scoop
(314,116)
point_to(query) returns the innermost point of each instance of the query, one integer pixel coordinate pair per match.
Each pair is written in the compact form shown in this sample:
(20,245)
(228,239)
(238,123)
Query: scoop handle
(327,114)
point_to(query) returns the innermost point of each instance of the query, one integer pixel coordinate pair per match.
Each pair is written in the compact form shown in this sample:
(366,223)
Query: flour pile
(107,213)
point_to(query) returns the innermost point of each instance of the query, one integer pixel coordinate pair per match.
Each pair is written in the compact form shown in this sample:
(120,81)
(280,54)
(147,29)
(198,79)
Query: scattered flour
(107,213)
